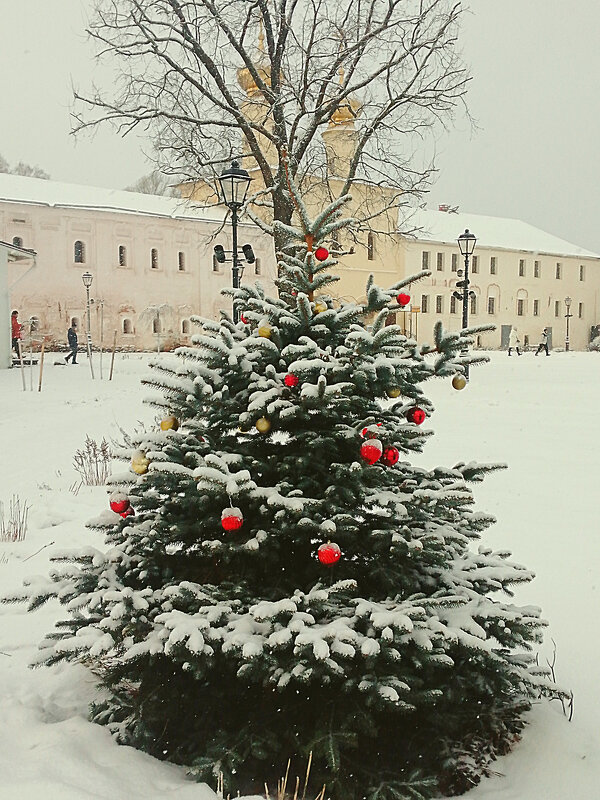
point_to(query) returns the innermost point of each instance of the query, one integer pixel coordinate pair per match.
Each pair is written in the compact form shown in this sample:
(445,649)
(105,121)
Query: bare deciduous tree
(152,183)
(214,79)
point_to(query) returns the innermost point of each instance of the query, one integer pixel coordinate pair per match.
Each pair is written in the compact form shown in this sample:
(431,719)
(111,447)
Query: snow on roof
(35,191)
(496,233)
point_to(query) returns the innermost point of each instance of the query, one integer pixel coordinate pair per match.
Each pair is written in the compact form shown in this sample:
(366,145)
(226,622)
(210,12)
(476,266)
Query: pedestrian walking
(514,342)
(72,337)
(16,330)
(543,345)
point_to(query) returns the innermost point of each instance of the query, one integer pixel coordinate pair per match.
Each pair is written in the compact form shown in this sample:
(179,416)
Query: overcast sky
(534,96)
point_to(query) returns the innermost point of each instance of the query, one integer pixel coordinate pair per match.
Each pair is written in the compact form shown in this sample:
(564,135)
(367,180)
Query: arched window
(127,326)
(17,241)
(154,259)
(257,267)
(185,326)
(79,252)
(156,325)
(371,246)
(181,261)
(122,255)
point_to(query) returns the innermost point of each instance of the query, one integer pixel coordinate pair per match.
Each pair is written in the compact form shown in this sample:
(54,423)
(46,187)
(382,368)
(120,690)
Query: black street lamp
(568,316)
(234,182)
(466,245)
(87,279)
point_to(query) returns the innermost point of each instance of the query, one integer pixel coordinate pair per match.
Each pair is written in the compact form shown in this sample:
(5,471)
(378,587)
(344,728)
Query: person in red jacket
(16,329)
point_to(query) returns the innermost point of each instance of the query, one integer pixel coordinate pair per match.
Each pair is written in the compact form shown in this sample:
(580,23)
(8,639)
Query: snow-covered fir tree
(284,580)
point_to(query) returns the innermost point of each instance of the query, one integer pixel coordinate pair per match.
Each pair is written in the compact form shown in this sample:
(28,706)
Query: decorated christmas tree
(280,581)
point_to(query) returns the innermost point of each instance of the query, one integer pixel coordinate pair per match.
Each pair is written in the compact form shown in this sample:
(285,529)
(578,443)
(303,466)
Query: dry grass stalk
(14,529)
(282,784)
(93,462)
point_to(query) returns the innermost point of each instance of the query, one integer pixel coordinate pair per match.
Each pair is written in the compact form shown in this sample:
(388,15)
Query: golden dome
(346,112)
(247,82)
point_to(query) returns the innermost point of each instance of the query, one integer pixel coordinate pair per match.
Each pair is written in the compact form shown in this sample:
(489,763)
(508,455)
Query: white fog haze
(532,154)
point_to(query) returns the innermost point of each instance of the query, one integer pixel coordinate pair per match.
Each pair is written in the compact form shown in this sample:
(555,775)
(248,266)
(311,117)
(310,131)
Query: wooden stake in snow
(112,358)
(22,365)
(41,366)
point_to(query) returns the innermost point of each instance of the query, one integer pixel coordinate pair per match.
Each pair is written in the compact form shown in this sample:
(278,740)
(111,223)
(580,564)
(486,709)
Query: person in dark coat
(15,328)
(72,337)
(543,345)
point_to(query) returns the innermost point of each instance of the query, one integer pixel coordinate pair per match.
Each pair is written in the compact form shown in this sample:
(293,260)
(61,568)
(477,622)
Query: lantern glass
(234,183)
(87,279)
(568,302)
(467,242)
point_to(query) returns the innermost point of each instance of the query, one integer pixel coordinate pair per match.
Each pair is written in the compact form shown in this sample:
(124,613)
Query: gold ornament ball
(139,462)
(459,382)
(320,307)
(265,331)
(263,425)
(170,423)
(393,392)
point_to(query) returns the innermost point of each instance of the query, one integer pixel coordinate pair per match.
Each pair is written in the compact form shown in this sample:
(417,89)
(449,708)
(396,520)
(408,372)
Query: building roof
(496,233)
(36,191)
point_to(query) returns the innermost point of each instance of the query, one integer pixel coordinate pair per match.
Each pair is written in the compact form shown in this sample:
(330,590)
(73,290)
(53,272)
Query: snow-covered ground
(537,414)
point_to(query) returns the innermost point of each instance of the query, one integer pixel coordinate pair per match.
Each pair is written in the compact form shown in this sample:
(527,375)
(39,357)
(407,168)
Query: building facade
(151,259)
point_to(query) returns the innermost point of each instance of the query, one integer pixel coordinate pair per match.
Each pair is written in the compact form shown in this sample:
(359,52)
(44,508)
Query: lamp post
(234,182)
(466,245)
(87,279)
(568,316)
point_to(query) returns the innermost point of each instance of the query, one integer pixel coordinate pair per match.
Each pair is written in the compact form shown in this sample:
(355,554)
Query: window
(216,265)
(536,308)
(581,270)
(122,255)
(127,325)
(156,325)
(558,273)
(440,262)
(17,241)
(520,308)
(537,269)
(521,268)
(452,304)
(185,326)
(79,252)
(493,265)
(580,310)
(491,305)
(257,267)
(439,304)
(474,304)
(425,260)
(154,260)
(557,308)
(454,262)
(424,303)
(475,265)
(371,246)
(181,261)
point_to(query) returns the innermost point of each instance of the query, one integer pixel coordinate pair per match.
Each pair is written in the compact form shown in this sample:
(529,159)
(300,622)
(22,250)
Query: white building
(520,275)
(144,252)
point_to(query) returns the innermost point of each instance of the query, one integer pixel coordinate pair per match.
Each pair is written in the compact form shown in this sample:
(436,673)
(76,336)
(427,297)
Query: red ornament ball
(129,512)
(321,253)
(368,432)
(329,554)
(403,299)
(244,319)
(416,415)
(291,380)
(391,456)
(232,519)
(119,502)
(371,450)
